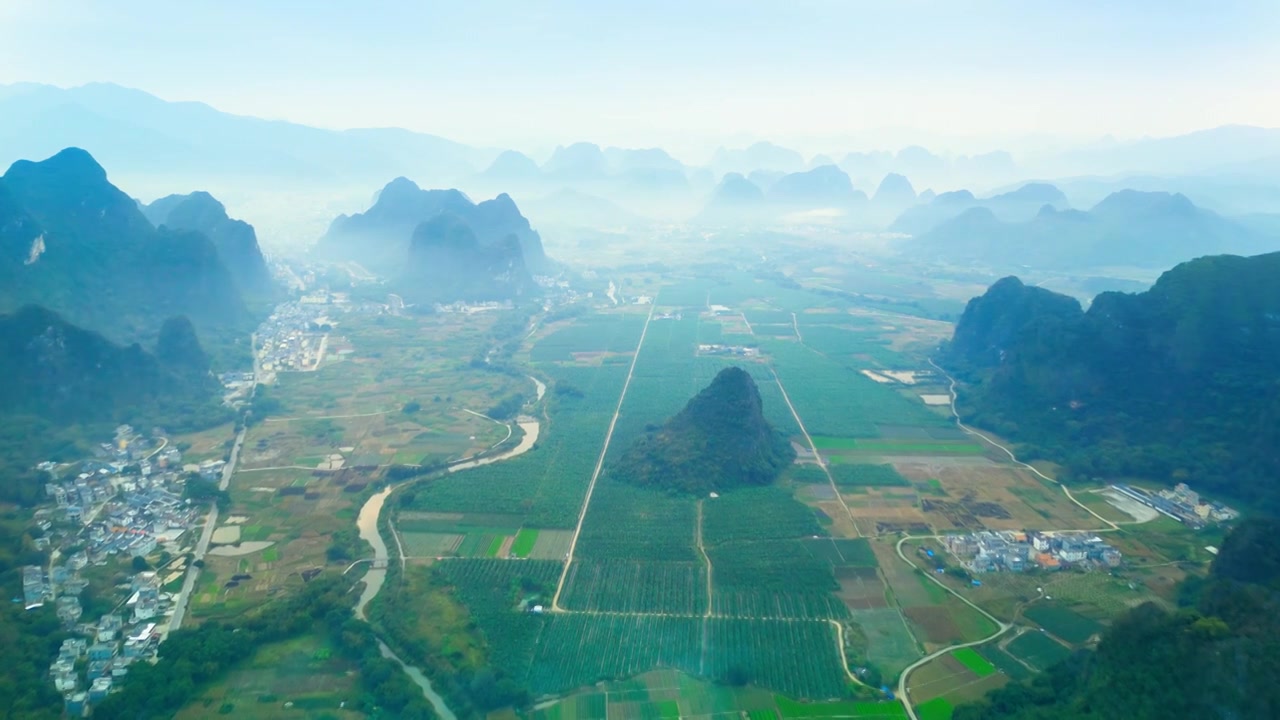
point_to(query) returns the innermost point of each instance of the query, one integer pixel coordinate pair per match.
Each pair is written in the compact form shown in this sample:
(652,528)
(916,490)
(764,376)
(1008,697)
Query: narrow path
(1002,628)
(1013,458)
(816,455)
(796,327)
(705,558)
(326,417)
(595,475)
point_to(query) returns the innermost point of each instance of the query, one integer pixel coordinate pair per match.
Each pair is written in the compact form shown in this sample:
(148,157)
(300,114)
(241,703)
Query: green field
(938,708)
(977,664)
(792,710)
(1038,649)
(524,543)
(1063,622)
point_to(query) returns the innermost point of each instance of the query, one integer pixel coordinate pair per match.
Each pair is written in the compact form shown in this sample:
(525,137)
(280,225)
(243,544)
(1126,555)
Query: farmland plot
(576,650)
(636,586)
(799,658)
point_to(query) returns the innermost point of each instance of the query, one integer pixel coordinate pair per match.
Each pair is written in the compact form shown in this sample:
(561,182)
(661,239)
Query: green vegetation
(793,710)
(1063,622)
(1167,384)
(977,664)
(938,708)
(719,441)
(1038,650)
(524,542)
(636,586)
(190,658)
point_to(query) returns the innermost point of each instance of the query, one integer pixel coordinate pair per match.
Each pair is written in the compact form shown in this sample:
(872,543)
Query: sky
(688,75)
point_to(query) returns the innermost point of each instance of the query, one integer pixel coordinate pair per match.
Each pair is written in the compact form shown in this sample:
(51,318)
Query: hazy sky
(686,74)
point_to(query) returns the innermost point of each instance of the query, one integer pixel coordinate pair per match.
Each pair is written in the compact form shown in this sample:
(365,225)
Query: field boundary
(595,475)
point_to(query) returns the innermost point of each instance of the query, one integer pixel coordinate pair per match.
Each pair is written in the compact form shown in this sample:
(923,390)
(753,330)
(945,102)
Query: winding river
(367,525)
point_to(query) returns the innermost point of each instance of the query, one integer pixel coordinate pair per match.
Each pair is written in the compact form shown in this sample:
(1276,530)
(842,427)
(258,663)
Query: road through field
(814,448)
(1014,458)
(582,514)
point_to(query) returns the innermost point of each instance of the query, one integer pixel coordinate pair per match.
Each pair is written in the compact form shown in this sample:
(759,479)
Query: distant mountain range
(1130,228)
(1176,382)
(235,240)
(1016,205)
(72,242)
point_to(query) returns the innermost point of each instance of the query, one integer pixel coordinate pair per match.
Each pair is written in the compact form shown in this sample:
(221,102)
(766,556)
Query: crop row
(636,586)
(629,522)
(757,513)
(577,650)
(768,604)
(592,333)
(798,658)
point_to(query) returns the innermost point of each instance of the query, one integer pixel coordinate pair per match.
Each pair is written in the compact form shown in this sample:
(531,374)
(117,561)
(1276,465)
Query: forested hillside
(1176,383)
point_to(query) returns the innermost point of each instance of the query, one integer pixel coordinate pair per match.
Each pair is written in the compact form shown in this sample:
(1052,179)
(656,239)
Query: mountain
(140,135)
(621,160)
(822,187)
(720,440)
(74,243)
(60,378)
(448,262)
(760,156)
(1175,382)
(581,161)
(734,199)
(1200,152)
(572,208)
(511,167)
(1013,206)
(1128,228)
(235,240)
(380,237)
(1214,657)
(894,191)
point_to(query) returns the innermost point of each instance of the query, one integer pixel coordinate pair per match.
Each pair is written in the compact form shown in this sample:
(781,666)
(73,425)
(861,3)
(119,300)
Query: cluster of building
(125,502)
(1181,503)
(295,336)
(105,649)
(1016,551)
(737,350)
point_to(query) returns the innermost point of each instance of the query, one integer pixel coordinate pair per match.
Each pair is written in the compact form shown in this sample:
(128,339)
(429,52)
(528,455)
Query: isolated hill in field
(1177,381)
(74,243)
(448,262)
(720,440)
(1016,205)
(1128,228)
(894,190)
(236,241)
(379,238)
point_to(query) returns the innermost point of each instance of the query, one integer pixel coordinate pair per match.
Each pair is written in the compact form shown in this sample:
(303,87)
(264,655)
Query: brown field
(935,624)
(861,588)
(946,676)
(993,497)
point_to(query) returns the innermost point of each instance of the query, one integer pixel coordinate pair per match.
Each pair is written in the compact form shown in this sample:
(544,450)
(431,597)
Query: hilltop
(1128,228)
(447,262)
(1175,382)
(74,243)
(379,238)
(720,440)
(236,241)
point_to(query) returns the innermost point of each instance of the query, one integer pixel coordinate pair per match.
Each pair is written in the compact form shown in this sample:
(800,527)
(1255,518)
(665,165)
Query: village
(127,502)
(1018,551)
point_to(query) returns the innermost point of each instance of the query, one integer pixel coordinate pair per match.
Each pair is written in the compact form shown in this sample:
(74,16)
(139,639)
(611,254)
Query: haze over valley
(558,361)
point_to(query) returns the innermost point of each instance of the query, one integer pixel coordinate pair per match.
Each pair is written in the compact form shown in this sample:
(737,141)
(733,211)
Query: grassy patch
(938,708)
(1038,649)
(524,542)
(977,664)
(1063,622)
